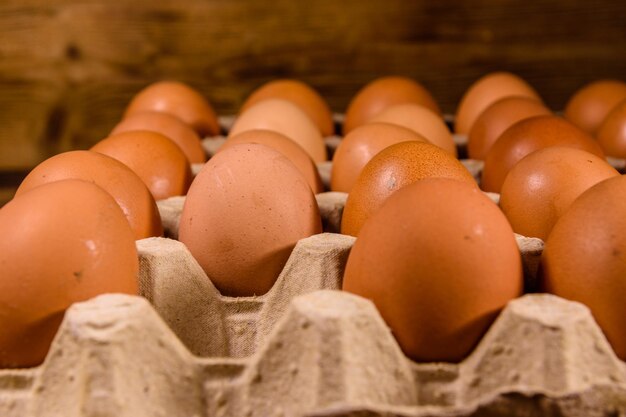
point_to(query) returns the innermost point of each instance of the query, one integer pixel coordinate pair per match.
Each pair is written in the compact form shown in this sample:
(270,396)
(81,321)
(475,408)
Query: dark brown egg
(391,169)
(589,106)
(527,136)
(439,261)
(384,92)
(61,242)
(585,257)
(180,100)
(300,94)
(542,186)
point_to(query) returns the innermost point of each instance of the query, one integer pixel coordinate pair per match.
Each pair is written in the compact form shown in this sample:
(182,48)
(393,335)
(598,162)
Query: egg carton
(302,349)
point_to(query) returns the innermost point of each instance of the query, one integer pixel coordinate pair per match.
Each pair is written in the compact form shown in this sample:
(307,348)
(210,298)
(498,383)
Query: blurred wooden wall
(68,68)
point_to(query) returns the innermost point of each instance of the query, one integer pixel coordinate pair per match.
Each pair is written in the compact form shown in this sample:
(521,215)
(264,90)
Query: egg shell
(243,215)
(359,146)
(158,161)
(439,261)
(590,105)
(527,136)
(498,117)
(612,133)
(422,120)
(542,186)
(384,92)
(128,190)
(180,100)
(61,242)
(486,91)
(583,259)
(300,94)
(285,146)
(179,132)
(392,169)
(286,118)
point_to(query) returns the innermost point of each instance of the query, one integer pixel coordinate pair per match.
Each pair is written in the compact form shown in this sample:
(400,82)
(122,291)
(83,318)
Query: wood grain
(68,68)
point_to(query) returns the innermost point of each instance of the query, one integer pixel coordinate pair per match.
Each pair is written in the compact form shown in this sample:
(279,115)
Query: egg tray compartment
(189,351)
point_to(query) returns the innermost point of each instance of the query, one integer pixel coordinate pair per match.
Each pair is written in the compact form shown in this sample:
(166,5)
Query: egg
(541,187)
(498,117)
(589,106)
(612,132)
(172,127)
(128,190)
(486,91)
(285,146)
(384,92)
(391,169)
(286,118)
(439,261)
(243,215)
(180,100)
(300,94)
(158,161)
(61,242)
(422,120)
(359,146)
(527,136)
(583,258)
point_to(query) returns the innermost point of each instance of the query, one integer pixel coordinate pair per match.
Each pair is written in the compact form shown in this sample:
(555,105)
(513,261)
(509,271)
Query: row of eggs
(436,256)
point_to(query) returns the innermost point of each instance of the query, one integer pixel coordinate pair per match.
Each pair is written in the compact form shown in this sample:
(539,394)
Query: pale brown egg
(61,242)
(285,146)
(439,260)
(243,215)
(486,91)
(300,94)
(359,146)
(286,118)
(584,257)
(391,169)
(612,132)
(542,186)
(498,117)
(158,161)
(180,100)
(172,127)
(128,190)
(527,136)
(422,120)
(589,106)
(384,92)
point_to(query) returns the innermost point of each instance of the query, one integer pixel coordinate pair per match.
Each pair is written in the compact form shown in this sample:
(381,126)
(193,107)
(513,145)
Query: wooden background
(68,68)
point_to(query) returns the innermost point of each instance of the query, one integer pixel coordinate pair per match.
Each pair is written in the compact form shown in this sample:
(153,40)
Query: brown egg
(359,146)
(527,136)
(391,169)
(158,161)
(583,259)
(180,100)
(285,146)
(422,120)
(542,186)
(130,193)
(172,127)
(498,117)
(612,132)
(486,91)
(286,118)
(384,92)
(61,243)
(439,261)
(590,105)
(300,94)
(243,215)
